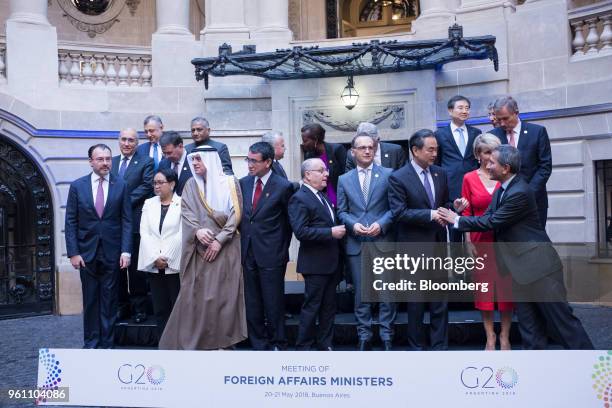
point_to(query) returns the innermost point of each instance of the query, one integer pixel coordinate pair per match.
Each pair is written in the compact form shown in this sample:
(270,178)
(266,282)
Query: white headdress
(215,187)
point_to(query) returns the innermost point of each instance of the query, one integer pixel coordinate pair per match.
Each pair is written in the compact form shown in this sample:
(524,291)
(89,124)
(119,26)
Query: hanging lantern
(349,95)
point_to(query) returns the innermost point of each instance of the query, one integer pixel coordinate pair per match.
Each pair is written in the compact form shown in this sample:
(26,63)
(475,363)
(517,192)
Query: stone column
(435,14)
(173,45)
(225,22)
(273,23)
(31,43)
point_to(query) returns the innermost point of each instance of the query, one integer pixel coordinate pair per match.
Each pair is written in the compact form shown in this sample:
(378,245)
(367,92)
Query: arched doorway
(26,235)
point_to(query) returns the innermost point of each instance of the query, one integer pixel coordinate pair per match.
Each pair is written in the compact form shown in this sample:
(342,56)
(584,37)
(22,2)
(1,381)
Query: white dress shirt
(457,136)
(95,181)
(324,202)
(264,180)
(419,171)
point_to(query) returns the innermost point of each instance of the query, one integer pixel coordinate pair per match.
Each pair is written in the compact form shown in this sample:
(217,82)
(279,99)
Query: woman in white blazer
(160,244)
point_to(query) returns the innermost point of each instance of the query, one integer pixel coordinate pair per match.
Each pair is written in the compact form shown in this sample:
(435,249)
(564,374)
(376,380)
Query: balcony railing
(591,30)
(104,66)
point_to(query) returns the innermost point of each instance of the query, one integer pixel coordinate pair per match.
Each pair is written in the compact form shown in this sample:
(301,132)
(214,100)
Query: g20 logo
(137,374)
(488,378)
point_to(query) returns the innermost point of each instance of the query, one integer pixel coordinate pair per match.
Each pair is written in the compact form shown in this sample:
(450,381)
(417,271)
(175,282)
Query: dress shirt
(517,133)
(264,180)
(419,171)
(456,134)
(324,202)
(160,154)
(361,173)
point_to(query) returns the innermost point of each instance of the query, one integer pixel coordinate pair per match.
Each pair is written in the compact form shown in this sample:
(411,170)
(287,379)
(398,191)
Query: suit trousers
(164,291)
(438,325)
(363,311)
(539,319)
(264,295)
(99,285)
(133,284)
(319,302)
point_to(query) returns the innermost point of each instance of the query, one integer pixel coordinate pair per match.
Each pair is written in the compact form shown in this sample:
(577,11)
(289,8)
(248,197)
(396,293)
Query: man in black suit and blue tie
(200,133)
(153,128)
(137,172)
(175,158)
(533,144)
(98,232)
(455,149)
(265,235)
(314,224)
(363,207)
(416,191)
(525,251)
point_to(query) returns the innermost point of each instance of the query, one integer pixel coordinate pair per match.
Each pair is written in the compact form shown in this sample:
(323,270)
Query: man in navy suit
(416,191)
(175,158)
(277,141)
(387,155)
(524,250)
(265,235)
(137,172)
(455,149)
(314,224)
(200,133)
(363,207)
(153,128)
(99,240)
(533,144)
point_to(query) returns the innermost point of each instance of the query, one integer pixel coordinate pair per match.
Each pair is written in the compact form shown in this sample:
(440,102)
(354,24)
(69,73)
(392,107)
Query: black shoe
(365,345)
(123,313)
(387,345)
(140,318)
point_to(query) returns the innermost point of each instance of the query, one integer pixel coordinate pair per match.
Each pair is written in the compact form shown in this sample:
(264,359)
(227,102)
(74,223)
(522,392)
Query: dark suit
(336,162)
(524,250)
(265,235)
(392,156)
(139,179)
(317,261)
(278,169)
(412,213)
(100,242)
(226,160)
(143,151)
(183,177)
(536,161)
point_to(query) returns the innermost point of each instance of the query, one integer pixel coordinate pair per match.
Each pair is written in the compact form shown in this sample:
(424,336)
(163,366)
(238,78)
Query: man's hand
(124,261)
(447,215)
(161,263)
(77,262)
(338,231)
(212,251)
(359,229)
(461,204)
(374,230)
(205,236)
(437,217)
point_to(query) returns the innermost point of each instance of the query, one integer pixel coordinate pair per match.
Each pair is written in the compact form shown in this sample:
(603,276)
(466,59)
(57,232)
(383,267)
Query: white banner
(152,378)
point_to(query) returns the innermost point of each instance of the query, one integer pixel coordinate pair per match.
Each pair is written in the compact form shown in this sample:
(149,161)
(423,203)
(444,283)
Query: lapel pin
(435,174)
(376,175)
(135,162)
(524,131)
(386,154)
(331,161)
(267,194)
(184,168)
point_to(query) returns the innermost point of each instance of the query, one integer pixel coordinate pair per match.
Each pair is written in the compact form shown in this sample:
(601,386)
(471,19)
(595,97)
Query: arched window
(374,10)
(376,17)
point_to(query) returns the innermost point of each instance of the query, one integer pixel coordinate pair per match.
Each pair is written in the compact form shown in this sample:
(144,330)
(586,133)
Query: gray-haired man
(200,132)
(387,154)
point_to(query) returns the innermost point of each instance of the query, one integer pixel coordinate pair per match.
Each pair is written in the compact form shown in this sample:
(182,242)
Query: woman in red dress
(478,189)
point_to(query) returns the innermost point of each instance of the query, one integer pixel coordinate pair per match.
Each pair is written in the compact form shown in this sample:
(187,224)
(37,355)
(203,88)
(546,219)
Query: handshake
(444,216)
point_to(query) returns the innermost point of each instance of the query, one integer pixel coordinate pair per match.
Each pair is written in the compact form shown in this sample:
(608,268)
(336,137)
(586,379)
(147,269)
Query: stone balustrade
(104,66)
(591,30)
(2,60)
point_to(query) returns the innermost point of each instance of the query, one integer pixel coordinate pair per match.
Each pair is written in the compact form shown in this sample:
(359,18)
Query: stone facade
(56,122)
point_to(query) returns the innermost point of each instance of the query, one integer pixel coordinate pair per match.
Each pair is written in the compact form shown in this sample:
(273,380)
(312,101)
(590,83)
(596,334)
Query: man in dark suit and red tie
(314,224)
(137,171)
(265,235)
(416,191)
(533,144)
(98,242)
(455,149)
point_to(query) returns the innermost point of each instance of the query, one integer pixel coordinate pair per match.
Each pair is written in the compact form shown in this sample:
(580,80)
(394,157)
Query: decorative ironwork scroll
(375,57)
(395,112)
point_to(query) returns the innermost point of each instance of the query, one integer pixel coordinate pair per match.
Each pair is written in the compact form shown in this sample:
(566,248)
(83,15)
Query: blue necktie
(461,141)
(428,189)
(123,167)
(155,157)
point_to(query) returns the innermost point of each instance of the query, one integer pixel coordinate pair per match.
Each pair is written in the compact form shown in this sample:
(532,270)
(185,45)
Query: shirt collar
(95,178)
(264,178)
(455,127)
(418,168)
(123,157)
(311,188)
(517,128)
(507,182)
(359,168)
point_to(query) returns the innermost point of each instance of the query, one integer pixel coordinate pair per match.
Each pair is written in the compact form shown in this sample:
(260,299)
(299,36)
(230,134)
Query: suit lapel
(115,165)
(357,185)
(385,160)
(418,181)
(435,175)
(522,141)
(112,186)
(373,181)
(131,167)
(451,140)
(265,193)
(470,142)
(323,210)
(89,198)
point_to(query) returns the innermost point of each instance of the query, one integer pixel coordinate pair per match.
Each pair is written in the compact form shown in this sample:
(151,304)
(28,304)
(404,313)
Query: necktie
(175,167)
(428,189)
(365,187)
(461,144)
(99,204)
(123,167)
(499,197)
(324,202)
(258,190)
(155,157)
(511,140)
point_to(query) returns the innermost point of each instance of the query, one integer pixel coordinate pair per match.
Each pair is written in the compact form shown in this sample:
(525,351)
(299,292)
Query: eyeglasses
(253,161)
(364,148)
(159,183)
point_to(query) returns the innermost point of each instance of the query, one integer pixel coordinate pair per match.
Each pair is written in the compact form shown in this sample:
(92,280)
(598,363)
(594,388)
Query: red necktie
(258,189)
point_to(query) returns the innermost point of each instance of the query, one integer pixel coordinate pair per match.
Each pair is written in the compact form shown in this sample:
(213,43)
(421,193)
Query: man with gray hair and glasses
(387,155)
(200,133)
(276,140)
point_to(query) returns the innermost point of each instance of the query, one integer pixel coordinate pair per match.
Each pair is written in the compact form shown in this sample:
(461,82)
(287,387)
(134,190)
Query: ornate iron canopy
(375,57)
